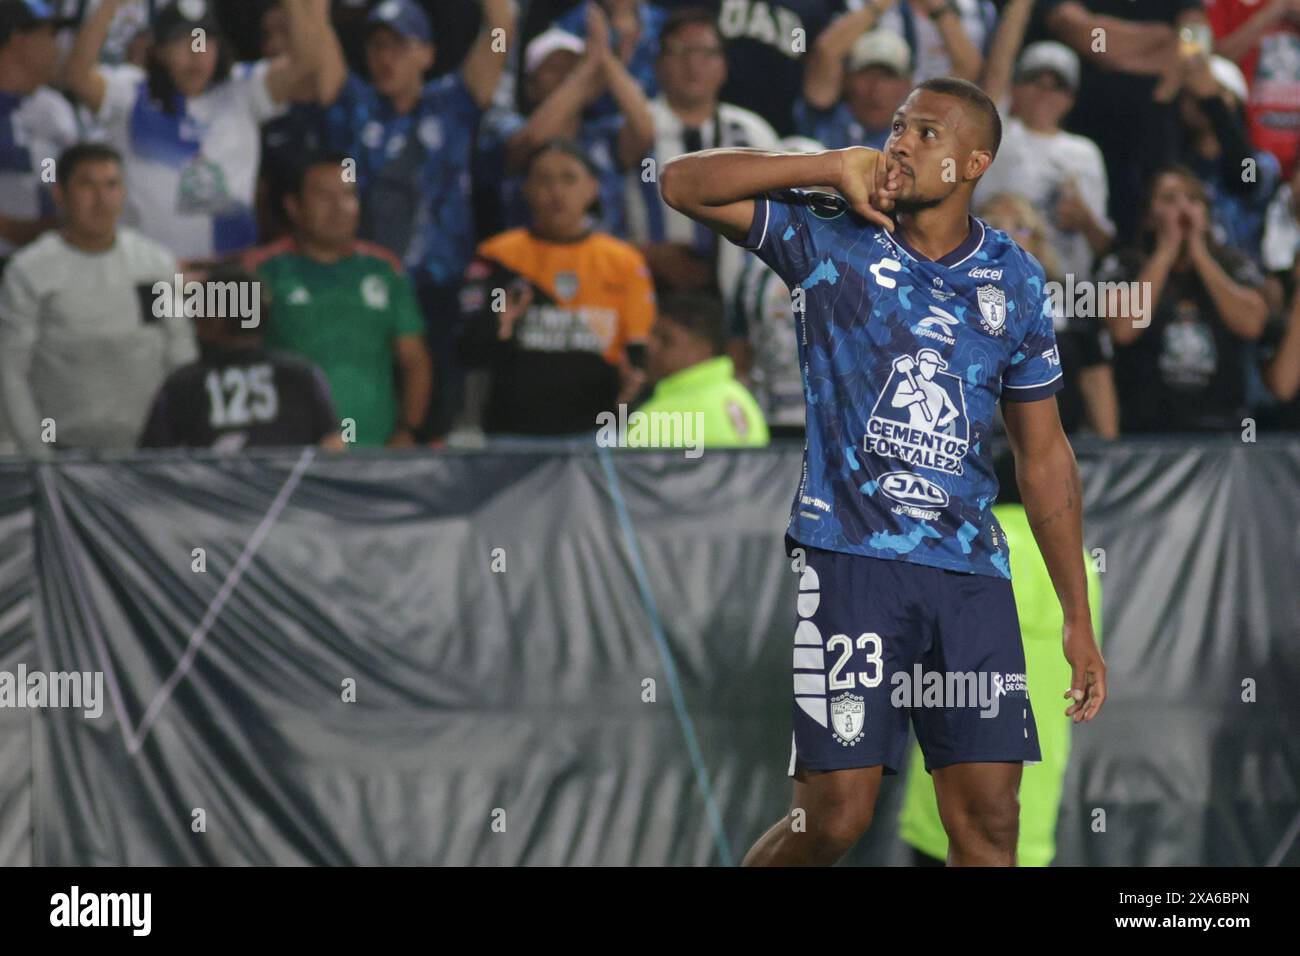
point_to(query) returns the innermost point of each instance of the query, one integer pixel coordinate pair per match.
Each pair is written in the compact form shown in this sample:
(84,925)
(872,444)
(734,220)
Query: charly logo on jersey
(993,308)
(938,325)
(920,417)
(848,718)
(878,269)
(917,497)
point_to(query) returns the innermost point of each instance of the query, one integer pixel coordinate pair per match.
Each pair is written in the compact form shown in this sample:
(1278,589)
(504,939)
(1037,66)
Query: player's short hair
(684,17)
(975,100)
(80,153)
(698,314)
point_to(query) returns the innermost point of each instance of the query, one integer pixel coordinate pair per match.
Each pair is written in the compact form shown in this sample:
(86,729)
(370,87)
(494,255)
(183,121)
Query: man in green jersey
(1046,674)
(347,306)
(694,378)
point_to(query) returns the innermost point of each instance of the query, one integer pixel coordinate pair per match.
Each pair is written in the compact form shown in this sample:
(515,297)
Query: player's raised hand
(868,183)
(1088,673)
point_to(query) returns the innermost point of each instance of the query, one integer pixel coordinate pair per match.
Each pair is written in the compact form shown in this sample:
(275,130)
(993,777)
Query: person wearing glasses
(688,116)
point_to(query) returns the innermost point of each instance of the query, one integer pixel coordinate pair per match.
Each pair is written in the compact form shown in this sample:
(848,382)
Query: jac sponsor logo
(917,497)
(983,273)
(910,489)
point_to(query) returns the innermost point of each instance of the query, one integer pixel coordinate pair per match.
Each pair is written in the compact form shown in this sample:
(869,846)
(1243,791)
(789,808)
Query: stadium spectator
(766,44)
(688,116)
(1061,174)
(1263,38)
(87,333)
(347,306)
(286,138)
(1181,331)
(128,34)
(854,82)
(557,313)
(1282,371)
(36,123)
(187,124)
(692,376)
(562,77)
(947,37)
(1088,396)
(238,395)
(1046,671)
(1281,240)
(412,142)
(1126,87)
(634,32)
(1239,179)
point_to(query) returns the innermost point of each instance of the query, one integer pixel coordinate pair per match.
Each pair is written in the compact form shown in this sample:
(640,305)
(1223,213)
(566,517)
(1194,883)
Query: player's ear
(978,162)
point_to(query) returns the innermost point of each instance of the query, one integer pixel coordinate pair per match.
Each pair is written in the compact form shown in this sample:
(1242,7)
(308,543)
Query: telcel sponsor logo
(983,273)
(920,497)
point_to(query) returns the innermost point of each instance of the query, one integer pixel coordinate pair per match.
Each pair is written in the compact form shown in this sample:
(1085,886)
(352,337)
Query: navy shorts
(880,641)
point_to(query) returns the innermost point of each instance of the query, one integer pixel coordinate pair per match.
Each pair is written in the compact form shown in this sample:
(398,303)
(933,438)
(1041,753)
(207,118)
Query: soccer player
(899,293)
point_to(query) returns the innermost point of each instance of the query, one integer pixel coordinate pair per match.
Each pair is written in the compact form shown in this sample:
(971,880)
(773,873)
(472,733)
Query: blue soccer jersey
(904,360)
(412,171)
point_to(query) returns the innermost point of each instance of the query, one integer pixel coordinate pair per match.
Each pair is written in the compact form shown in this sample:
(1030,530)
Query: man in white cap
(854,83)
(1061,174)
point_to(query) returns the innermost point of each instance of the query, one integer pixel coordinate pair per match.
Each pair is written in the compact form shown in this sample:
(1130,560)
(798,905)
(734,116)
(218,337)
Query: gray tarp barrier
(518,697)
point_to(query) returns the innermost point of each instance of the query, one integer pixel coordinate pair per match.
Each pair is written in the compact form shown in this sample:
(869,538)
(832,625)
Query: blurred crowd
(282,222)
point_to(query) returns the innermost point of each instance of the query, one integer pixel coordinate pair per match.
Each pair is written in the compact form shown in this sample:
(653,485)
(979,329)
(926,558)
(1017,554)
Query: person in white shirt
(86,335)
(1061,174)
(36,123)
(188,124)
(688,116)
